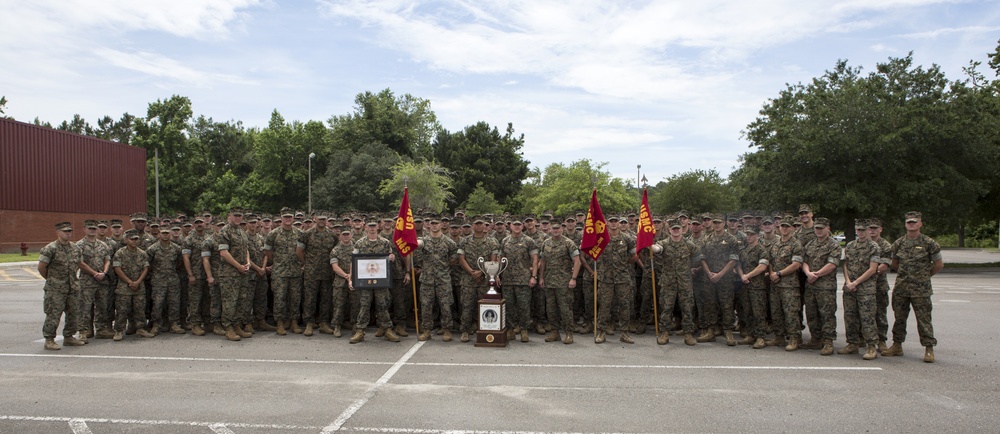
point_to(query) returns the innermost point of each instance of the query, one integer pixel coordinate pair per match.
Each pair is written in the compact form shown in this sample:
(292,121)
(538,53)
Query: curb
(18,264)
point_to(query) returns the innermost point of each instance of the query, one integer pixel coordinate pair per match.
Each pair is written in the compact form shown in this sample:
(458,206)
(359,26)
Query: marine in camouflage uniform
(752,272)
(821,257)
(701,225)
(435,255)
(785,257)
(615,282)
(340,263)
(374,244)
(586,291)
(286,271)
(233,275)
(559,263)
(721,252)
(318,276)
(94,284)
(861,259)
(212,263)
(191,254)
(916,258)
(674,257)
(255,308)
(401,292)
(163,259)
(881,281)
(131,265)
(475,283)
(519,278)
(58,263)
(644,315)
(538,313)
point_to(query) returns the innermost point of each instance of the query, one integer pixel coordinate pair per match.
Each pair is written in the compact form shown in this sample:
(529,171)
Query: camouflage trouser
(215,300)
(559,302)
(821,312)
(166,295)
(726,312)
(287,297)
(791,306)
(341,304)
(706,302)
(922,307)
(234,291)
(608,293)
(777,309)
(518,305)
(538,312)
(471,293)
(382,299)
(57,302)
(741,299)
(435,293)
(758,312)
(130,308)
(246,303)
(645,312)
(310,294)
(260,297)
(183,279)
(859,315)
(882,306)
(587,290)
(402,301)
(93,305)
(198,302)
(676,290)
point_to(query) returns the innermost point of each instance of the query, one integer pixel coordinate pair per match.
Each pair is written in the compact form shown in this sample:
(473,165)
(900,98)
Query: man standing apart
(916,258)
(820,262)
(57,263)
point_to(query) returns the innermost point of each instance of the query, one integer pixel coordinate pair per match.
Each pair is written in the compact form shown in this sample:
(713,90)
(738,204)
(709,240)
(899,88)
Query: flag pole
(413,281)
(595,298)
(652,274)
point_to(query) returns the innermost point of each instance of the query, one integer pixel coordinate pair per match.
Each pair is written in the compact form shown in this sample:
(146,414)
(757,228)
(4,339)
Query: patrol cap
(751,230)
(747,215)
(132,233)
(874,222)
(234,211)
(861,224)
(821,222)
(787,221)
(116,223)
(658,220)
(188,224)
(913,217)
(220,223)
(175,226)
(138,217)
(90,224)
(372,223)
(287,212)
(102,223)
(696,222)
(768,220)
(206,213)
(345,231)
(198,219)
(529,217)
(733,218)
(610,219)
(717,218)
(165,230)
(299,214)
(571,218)
(322,215)
(674,224)
(804,208)
(154,225)
(64,226)
(251,217)
(466,225)
(418,220)
(307,220)
(265,218)
(297,223)
(683,214)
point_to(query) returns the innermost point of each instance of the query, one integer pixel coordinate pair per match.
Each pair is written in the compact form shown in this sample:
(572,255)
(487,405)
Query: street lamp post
(638,184)
(311,156)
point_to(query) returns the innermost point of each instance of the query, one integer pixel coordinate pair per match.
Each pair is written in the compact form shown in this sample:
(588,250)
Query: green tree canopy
(481,201)
(566,189)
(695,191)
(352,180)
(430,186)
(405,124)
(480,155)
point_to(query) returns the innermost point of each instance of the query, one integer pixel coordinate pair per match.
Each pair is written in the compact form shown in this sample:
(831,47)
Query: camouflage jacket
(163,263)
(94,254)
(192,247)
(858,257)
(613,265)
(380,246)
(518,252)
(234,239)
(677,259)
(319,243)
(750,258)
(435,259)
(256,247)
(282,243)
(131,262)
(341,255)
(781,255)
(473,248)
(819,253)
(558,254)
(210,250)
(719,249)
(885,257)
(916,257)
(63,261)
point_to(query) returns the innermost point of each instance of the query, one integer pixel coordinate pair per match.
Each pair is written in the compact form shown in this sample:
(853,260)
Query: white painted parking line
(155,422)
(219,428)
(360,402)
(954,301)
(193,359)
(79,426)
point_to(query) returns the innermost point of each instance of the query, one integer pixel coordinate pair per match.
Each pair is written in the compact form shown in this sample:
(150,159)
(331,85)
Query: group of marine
(237,274)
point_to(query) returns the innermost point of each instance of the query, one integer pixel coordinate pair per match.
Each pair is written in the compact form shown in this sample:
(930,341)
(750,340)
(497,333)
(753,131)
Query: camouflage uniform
(558,254)
(859,306)
(821,295)
(718,298)
(286,272)
(435,279)
(786,302)
(318,275)
(674,280)
(518,252)
(234,285)
(198,302)
(538,312)
(699,282)
(62,289)
(256,303)
(615,282)
(166,292)
(381,296)
(750,258)
(342,296)
(210,250)
(913,287)
(585,288)
(882,290)
(472,248)
(94,294)
(130,303)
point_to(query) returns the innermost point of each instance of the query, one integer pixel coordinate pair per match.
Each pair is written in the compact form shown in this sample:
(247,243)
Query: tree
(3,104)
(430,185)
(405,124)
(281,162)
(480,155)
(696,190)
(78,126)
(121,131)
(566,189)
(165,131)
(481,201)
(352,180)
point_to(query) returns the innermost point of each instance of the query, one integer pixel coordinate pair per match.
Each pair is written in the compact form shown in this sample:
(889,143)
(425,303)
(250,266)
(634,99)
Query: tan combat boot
(280,329)
(154,329)
(391,336)
(197,330)
(524,335)
(218,330)
(759,343)
(827,349)
(729,338)
(895,350)
(131,328)
(401,331)
(248,327)
(626,338)
(105,333)
(568,339)
(446,336)
(663,338)
(325,328)
(241,333)
(359,335)
(263,326)
(707,335)
(928,354)
(871,354)
(50,344)
(882,347)
(464,337)
(689,339)
(510,335)
(793,344)
(379,332)
(849,349)
(177,329)
(599,339)
(231,334)
(813,344)
(145,333)
(336,332)
(778,341)
(119,335)
(295,327)
(552,336)
(424,336)
(309,329)
(747,340)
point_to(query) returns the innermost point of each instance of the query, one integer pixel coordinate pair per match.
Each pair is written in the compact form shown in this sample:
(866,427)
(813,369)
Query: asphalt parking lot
(188,384)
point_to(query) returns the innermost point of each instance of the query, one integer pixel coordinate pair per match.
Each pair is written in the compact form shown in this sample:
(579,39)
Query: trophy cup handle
(479,263)
(503,265)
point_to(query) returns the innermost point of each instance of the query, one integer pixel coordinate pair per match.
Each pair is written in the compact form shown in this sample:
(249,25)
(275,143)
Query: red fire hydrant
(24,248)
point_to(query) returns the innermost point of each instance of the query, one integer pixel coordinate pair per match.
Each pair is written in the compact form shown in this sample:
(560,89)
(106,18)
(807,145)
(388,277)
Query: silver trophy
(492,269)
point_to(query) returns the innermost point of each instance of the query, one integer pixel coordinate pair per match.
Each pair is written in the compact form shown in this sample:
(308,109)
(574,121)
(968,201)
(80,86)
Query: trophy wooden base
(491,338)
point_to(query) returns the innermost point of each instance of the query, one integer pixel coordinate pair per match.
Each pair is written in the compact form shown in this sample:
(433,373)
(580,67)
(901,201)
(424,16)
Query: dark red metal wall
(42,169)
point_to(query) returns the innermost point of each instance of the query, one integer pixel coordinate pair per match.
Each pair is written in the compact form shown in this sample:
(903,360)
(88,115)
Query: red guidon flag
(645,234)
(595,230)
(405,235)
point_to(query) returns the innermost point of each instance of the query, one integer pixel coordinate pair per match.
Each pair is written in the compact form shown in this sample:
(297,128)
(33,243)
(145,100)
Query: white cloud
(936,33)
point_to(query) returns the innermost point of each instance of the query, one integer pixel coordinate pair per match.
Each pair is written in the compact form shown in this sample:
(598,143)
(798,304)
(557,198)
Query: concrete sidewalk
(31,264)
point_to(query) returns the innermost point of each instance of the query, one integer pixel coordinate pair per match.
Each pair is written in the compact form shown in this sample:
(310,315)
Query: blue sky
(665,84)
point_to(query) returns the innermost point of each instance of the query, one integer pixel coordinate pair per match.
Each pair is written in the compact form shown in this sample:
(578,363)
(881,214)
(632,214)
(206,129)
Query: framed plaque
(370,271)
